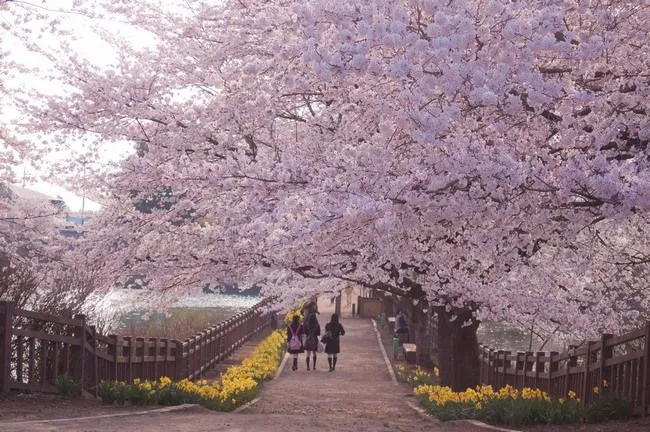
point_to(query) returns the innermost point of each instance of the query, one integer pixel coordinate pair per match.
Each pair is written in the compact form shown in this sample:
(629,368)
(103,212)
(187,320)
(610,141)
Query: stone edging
(424,414)
(383,353)
(246,406)
(281,367)
(153,411)
(486,426)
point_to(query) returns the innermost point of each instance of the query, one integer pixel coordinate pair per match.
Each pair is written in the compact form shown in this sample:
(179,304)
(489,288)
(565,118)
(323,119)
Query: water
(226,301)
(500,336)
(126,313)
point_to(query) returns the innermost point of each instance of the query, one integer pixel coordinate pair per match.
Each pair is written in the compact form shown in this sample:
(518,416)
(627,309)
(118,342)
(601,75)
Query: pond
(184,318)
(501,336)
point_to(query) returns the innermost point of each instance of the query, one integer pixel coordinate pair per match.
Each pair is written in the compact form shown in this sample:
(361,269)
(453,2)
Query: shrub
(416,377)
(68,386)
(106,392)
(609,406)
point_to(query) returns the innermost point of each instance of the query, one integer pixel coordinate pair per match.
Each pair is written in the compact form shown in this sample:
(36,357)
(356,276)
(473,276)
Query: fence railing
(619,364)
(36,348)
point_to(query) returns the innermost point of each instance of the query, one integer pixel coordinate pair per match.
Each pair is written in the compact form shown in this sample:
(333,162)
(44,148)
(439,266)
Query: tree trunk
(419,334)
(458,348)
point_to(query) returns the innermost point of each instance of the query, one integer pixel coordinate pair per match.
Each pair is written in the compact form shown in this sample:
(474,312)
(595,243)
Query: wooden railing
(36,348)
(618,364)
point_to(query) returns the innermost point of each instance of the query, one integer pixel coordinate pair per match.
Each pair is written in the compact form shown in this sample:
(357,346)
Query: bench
(403,337)
(409,352)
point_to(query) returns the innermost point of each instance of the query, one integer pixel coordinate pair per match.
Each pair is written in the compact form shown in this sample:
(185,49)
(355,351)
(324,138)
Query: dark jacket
(333,346)
(312,331)
(300,331)
(309,309)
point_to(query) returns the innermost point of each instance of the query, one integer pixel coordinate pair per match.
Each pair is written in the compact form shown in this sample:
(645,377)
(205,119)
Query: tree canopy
(478,151)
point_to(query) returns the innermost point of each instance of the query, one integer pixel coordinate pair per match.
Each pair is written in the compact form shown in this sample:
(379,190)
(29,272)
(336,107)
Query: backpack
(295,344)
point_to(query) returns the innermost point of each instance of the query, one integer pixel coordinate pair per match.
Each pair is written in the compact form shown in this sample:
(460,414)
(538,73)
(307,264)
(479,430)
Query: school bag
(327,337)
(295,344)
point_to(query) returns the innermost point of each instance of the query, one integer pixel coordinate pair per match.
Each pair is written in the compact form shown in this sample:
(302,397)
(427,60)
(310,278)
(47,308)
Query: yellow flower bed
(442,395)
(417,376)
(509,406)
(297,310)
(238,384)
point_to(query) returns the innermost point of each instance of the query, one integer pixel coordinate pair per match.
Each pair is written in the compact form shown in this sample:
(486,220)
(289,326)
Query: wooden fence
(36,348)
(618,364)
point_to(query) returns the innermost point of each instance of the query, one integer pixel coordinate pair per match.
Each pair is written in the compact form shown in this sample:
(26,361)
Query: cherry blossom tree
(39,269)
(481,157)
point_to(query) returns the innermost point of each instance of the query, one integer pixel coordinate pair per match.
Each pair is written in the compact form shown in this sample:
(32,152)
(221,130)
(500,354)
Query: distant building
(19,192)
(74,219)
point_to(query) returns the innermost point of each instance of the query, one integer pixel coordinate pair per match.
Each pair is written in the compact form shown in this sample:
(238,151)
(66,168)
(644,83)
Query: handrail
(39,356)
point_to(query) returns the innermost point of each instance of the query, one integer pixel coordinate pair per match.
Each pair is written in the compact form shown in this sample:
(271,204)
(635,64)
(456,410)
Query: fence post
(499,369)
(129,361)
(113,350)
(645,398)
(93,330)
(6,321)
(519,366)
(165,369)
(143,373)
(156,350)
(571,362)
(528,367)
(606,353)
(539,366)
(507,366)
(586,394)
(179,361)
(553,366)
(79,355)
(490,368)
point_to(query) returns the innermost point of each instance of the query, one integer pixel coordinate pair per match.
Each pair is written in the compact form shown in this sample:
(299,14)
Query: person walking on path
(295,330)
(401,326)
(333,331)
(309,308)
(312,331)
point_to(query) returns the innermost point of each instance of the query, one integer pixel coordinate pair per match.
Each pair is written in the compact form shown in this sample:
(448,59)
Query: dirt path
(358,396)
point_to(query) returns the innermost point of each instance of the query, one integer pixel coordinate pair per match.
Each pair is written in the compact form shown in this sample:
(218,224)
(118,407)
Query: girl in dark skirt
(333,331)
(295,331)
(312,330)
